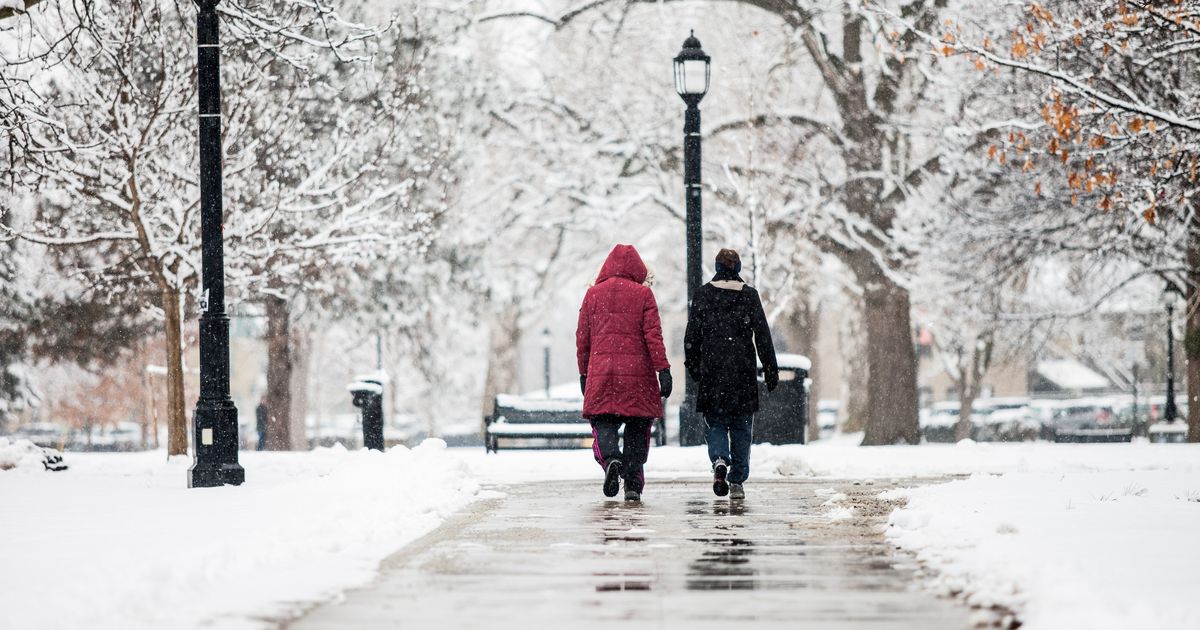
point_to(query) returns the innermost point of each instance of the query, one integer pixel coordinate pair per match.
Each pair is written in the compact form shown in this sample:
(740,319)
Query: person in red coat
(623,368)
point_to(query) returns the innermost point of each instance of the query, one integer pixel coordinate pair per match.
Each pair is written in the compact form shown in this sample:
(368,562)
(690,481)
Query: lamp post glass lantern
(692,75)
(1170,411)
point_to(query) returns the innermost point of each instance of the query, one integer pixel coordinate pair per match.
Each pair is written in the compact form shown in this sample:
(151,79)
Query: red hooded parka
(619,340)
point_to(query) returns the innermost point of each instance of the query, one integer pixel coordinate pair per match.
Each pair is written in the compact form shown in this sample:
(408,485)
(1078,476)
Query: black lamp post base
(215,443)
(214,475)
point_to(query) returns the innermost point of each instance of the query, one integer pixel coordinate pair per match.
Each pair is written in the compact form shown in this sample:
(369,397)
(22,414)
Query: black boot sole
(612,479)
(720,486)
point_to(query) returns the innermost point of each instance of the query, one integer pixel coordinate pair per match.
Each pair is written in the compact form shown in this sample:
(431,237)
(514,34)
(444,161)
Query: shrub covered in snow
(26,454)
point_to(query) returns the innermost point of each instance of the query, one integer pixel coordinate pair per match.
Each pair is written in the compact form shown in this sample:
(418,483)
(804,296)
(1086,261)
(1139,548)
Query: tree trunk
(177,426)
(966,405)
(853,345)
(892,377)
(279,375)
(503,354)
(801,333)
(298,390)
(1191,335)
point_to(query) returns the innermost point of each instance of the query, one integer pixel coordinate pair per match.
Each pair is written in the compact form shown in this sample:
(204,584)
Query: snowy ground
(1073,550)
(118,541)
(1070,536)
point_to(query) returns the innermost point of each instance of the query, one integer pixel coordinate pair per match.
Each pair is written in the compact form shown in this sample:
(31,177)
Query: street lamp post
(546,358)
(1170,411)
(215,423)
(692,72)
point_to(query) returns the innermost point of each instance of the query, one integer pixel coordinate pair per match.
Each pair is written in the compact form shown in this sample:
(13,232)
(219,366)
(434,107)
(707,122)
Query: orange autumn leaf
(1037,188)
(1149,215)
(1106,203)
(1066,155)
(992,152)
(1028,166)
(1135,125)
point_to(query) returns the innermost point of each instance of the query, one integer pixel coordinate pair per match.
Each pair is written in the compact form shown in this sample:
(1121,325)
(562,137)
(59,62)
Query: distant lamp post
(546,358)
(1170,411)
(692,72)
(215,423)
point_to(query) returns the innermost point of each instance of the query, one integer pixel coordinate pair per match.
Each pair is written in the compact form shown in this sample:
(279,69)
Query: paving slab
(561,555)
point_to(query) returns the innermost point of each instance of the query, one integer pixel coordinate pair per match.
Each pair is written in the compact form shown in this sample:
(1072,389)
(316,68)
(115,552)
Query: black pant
(606,446)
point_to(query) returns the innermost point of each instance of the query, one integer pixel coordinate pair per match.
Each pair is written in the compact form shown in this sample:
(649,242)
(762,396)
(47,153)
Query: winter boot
(632,495)
(736,491)
(612,478)
(720,486)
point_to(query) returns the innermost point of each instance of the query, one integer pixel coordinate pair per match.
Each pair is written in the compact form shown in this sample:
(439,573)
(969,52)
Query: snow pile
(120,541)
(1090,551)
(843,459)
(27,456)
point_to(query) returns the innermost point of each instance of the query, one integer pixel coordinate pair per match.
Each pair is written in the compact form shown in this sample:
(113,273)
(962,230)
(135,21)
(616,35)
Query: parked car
(937,424)
(1003,420)
(1090,420)
(44,434)
(827,416)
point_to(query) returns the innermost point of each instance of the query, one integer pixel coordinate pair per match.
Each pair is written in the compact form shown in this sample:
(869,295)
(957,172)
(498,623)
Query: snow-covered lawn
(119,542)
(1073,550)
(1087,536)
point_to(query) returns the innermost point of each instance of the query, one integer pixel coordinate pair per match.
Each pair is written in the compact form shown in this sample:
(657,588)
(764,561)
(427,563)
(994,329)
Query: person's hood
(623,262)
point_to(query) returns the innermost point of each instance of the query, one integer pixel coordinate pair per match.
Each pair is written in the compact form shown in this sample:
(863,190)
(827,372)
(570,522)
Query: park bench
(544,423)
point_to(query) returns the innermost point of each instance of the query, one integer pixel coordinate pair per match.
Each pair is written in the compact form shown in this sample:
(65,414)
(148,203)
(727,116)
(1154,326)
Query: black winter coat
(726,324)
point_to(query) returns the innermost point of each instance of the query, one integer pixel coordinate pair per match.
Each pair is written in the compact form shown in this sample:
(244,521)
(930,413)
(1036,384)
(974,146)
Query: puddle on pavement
(724,564)
(612,582)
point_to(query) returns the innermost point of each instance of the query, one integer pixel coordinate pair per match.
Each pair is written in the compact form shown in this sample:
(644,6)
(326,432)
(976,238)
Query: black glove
(664,383)
(583,384)
(772,380)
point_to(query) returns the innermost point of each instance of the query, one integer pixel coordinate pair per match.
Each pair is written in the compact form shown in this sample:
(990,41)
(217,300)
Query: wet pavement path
(561,555)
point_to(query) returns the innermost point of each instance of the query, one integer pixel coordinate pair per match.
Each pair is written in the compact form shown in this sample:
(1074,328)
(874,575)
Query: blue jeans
(724,431)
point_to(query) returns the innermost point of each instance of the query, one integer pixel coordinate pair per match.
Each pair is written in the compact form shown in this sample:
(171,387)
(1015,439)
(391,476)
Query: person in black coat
(726,327)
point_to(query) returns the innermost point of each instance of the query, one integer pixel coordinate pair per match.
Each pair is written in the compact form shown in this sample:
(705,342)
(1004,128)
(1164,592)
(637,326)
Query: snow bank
(1083,550)
(842,458)
(120,542)
(26,456)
